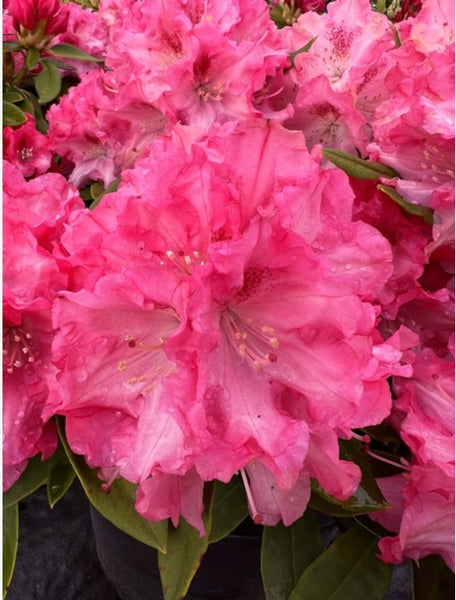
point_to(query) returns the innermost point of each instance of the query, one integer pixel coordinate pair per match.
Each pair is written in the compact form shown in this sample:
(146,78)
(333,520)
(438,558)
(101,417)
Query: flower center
(184,262)
(16,348)
(252,342)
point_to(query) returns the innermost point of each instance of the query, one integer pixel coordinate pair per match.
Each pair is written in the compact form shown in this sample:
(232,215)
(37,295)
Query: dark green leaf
(230,508)
(34,476)
(357,167)
(10,540)
(348,569)
(184,553)
(60,64)
(432,579)
(31,105)
(48,82)
(32,58)
(412,209)
(116,505)
(302,50)
(12,115)
(286,552)
(12,95)
(59,481)
(69,51)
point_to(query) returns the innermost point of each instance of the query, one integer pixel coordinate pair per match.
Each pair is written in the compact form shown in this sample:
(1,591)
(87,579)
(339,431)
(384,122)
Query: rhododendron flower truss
(264,332)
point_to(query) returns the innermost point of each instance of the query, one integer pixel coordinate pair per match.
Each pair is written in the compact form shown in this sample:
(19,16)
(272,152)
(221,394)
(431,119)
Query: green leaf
(12,46)
(230,508)
(184,553)
(48,82)
(412,209)
(34,476)
(112,187)
(59,481)
(56,471)
(286,552)
(347,569)
(30,104)
(12,95)
(357,167)
(117,504)
(12,115)
(302,50)
(32,58)
(10,541)
(432,579)
(69,51)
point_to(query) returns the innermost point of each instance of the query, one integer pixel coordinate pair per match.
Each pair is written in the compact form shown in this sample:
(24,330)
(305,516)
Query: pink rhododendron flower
(100,136)
(425,414)
(170,496)
(27,148)
(427,401)
(85,30)
(197,62)
(268,503)
(427,523)
(123,394)
(43,203)
(327,117)
(350,34)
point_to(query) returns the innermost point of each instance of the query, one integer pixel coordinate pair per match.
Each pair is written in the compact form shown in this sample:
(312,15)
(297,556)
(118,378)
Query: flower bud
(37,21)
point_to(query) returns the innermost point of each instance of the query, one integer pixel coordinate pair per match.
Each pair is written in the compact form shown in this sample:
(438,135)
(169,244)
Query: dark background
(57,557)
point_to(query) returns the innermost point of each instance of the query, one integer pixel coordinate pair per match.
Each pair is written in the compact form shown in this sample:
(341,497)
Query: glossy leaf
(184,553)
(34,476)
(58,482)
(48,82)
(12,115)
(412,209)
(357,167)
(32,58)
(10,542)
(229,508)
(286,552)
(348,569)
(70,51)
(432,579)
(117,504)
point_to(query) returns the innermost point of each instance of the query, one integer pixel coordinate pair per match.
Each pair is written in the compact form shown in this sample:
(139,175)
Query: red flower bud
(36,20)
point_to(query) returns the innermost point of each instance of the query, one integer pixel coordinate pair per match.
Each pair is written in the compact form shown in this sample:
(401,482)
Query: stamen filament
(257,518)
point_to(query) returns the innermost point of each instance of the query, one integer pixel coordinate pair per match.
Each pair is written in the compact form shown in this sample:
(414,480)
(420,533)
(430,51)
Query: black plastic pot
(230,569)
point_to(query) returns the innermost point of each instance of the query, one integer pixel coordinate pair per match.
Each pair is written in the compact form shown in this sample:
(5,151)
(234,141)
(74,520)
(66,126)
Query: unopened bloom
(37,21)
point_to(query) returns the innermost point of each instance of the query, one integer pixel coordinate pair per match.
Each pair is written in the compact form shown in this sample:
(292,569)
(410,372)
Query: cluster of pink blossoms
(239,304)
